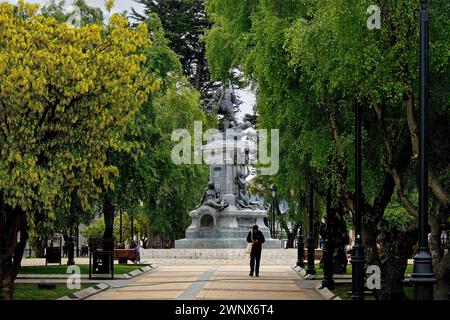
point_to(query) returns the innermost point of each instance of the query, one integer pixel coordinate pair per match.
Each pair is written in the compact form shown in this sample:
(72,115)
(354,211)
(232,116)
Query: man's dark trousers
(255,257)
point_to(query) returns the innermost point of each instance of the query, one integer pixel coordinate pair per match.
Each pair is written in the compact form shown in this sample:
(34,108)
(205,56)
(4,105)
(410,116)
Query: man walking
(257,238)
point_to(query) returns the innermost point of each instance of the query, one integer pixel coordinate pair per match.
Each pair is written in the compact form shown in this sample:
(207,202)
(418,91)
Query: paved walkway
(195,282)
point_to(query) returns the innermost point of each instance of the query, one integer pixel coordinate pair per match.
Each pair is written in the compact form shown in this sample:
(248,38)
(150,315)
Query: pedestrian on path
(257,238)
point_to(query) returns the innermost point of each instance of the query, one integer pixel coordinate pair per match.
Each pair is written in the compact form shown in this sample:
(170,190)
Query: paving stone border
(326,293)
(85,293)
(96,289)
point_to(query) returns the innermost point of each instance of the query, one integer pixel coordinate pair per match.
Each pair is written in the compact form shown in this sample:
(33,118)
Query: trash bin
(52,255)
(101,263)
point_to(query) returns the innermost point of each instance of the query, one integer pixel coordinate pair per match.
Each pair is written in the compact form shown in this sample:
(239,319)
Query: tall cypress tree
(184,22)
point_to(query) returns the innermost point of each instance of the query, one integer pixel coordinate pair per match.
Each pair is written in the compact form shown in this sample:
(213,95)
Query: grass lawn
(344,292)
(61,269)
(409,292)
(319,270)
(31,292)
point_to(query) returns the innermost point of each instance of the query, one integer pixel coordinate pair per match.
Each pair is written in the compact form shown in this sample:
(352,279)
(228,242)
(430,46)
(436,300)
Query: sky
(245,95)
(119,5)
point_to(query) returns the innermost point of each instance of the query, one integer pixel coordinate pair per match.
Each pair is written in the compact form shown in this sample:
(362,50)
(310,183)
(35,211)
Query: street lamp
(120,227)
(423,277)
(300,248)
(357,259)
(273,190)
(310,268)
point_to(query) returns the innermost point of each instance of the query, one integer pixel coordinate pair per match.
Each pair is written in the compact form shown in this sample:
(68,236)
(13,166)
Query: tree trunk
(13,225)
(290,234)
(39,244)
(396,249)
(108,215)
(372,217)
(291,237)
(438,190)
(340,240)
(198,75)
(442,273)
(441,262)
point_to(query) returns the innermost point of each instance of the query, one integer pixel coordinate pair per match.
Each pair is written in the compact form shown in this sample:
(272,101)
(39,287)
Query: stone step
(219,253)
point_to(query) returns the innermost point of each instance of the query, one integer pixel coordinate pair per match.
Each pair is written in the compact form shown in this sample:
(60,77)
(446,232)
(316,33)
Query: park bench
(123,255)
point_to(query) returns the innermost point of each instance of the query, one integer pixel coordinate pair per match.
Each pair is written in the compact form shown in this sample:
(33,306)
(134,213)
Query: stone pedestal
(229,228)
(228,156)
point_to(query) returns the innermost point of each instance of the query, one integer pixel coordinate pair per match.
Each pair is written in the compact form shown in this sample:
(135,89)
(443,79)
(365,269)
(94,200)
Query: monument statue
(242,199)
(225,102)
(212,198)
(225,213)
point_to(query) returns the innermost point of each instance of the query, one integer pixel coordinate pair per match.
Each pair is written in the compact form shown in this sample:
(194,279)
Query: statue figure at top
(225,102)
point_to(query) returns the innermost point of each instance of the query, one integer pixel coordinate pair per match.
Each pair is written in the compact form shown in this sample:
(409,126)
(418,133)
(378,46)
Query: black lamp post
(328,247)
(357,259)
(273,190)
(300,248)
(120,227)
(310,268)
(423,277)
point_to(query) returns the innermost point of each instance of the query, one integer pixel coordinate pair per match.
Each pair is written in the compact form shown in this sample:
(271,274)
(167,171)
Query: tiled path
(227,282)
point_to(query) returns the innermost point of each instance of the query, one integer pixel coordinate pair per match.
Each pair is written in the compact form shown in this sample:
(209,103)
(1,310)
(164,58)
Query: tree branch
(407,204)
(437,189)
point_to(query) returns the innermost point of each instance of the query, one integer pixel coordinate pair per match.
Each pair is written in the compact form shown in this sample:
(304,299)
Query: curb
(326,293)
(302,273)
(139,271)
(86,293)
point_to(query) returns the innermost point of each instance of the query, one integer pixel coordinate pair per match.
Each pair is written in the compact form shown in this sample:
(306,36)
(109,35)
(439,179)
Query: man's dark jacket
(257,235)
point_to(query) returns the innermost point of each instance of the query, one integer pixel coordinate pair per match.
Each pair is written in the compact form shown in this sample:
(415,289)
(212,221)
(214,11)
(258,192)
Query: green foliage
(314,61)
(64,101)
(184,23)
(397,217)
(94,230)
(140,223)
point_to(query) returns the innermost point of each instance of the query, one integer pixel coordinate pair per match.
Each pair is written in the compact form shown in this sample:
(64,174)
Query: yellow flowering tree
(65,94)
